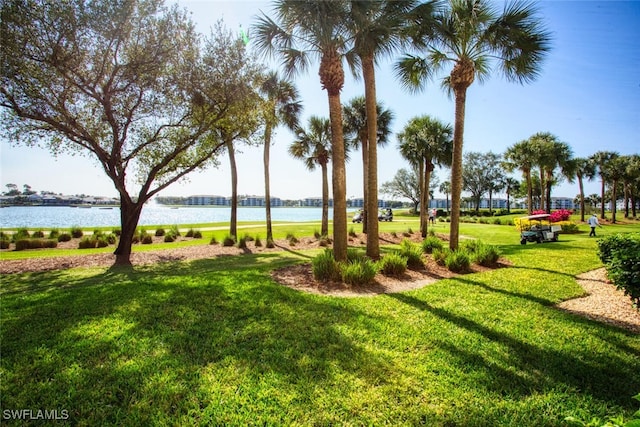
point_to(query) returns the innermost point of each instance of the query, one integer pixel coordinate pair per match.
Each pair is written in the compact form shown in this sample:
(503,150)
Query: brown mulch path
(603,301)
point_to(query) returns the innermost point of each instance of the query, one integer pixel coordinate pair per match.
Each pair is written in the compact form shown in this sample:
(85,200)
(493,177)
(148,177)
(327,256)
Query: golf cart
(357,217)
(387,215)
(538,228)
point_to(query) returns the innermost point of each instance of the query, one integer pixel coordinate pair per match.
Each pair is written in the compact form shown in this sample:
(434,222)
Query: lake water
(152,214)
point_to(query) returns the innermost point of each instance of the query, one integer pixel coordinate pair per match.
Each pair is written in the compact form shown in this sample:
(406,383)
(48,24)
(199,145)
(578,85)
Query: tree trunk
(626,192)
(542,190)
(427,178)
(581,187)
(422,212)
(233,223)
(602,201)
(456,166)
(324,227)
(267,189)
(373,238)
(365,187)
(614,201)
(339,181)
(490,203)
(129,217)
(529,191)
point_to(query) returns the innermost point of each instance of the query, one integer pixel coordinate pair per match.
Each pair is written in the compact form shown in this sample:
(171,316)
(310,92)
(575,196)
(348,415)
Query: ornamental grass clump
(457,261)
(325,267)
(358,272)
(481,253)
(431,243)
(412,252)
(393,264)
(76,232)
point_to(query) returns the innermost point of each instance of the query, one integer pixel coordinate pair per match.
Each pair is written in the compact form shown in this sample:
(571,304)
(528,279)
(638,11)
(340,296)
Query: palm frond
(413,72)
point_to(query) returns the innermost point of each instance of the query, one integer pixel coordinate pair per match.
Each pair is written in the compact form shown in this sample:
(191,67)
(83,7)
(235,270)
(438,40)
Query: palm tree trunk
(614,201)
(233,223)
(368,72)
(324,227)
(365,189)
(267,189)
(602,196)
(529,191)
(421,213)
(427,179)
(581,187)
(456,167)
(339,180)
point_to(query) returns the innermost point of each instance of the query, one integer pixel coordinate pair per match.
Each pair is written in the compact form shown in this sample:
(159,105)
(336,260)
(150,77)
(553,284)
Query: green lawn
(217,341)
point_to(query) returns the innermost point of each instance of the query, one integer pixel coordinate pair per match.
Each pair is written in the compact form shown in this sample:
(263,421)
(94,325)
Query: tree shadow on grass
(536,368)
(113,340)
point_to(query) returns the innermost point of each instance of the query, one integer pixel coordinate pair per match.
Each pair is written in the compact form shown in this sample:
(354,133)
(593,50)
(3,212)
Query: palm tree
(445,188)
(357,135)
(510,184)
(584,169)
(316,28)
(631,183)
(521,155)
(426,142)
(314,148)
(600,160)
(376,28)
(615,170)
(471,34)
(552,154)
(281,104)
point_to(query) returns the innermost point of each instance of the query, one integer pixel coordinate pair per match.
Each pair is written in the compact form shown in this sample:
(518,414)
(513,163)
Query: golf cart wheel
(523,241)
(540,240)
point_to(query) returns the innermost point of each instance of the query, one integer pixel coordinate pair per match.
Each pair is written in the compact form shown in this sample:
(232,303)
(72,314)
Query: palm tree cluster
(469,35)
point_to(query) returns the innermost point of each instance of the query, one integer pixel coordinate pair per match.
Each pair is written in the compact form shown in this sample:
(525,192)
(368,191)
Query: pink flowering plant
(556,216)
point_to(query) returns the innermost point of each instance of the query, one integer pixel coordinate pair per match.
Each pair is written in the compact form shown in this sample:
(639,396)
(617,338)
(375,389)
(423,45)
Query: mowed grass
(218,342)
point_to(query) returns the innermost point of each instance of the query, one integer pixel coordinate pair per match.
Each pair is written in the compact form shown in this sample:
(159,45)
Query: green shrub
(189,233)
(160,232)
(102,242)
(76,232)
(175,231)
(393,264)
(324,267)
(24,244)
(431,243)
(412,252)
(569,228)
(87,243)
(293,240)
(229,240)
(354,254)
(621,255)
(496,221)
(111,238)
(5,243)
(316,234)
(21,234)
(64,237)
(146,239)
(359,272)
(352,232)
(457,261)
(440,255)
(54,233)
(258,242)
(486,255)
(38,234)
(242,243)
(117,231)
(213,241)
(169,238)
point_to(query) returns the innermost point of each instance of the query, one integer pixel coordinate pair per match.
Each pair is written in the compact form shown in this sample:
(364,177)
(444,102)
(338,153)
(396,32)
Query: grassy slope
(217,341)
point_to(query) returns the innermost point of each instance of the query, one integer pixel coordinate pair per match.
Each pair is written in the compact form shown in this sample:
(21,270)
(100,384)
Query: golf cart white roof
(538,216)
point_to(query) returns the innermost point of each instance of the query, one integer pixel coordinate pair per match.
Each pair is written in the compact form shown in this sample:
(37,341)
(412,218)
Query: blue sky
(588,94)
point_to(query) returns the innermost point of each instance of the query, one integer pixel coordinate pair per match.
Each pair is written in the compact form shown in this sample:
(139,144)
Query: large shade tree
(315,29)
(357,135)
(120,81)
(280,105)
(472,35)
(426,142)
(313,147)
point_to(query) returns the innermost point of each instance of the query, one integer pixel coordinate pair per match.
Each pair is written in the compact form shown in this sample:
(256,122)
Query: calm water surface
(65,217)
